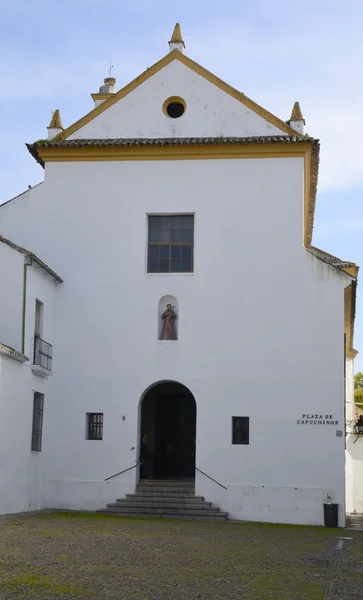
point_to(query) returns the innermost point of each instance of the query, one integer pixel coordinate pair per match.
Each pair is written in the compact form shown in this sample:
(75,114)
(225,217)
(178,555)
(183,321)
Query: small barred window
(94,426)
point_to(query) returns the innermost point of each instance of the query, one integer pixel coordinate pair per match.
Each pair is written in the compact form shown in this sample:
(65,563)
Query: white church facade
(164,314)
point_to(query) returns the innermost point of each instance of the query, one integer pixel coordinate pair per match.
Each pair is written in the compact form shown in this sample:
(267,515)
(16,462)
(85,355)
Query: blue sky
(53,55)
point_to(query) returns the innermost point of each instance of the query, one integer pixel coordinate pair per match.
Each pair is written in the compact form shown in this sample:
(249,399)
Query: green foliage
(358,397)
(358,381)
(358,389)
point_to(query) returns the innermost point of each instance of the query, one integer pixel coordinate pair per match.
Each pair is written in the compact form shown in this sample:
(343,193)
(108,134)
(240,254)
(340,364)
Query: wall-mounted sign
(317,420)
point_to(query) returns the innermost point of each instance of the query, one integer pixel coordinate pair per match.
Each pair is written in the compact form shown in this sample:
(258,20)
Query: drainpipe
(26,265)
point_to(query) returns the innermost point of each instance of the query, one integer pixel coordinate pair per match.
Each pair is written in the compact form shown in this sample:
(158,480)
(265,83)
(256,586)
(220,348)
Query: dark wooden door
(175,436)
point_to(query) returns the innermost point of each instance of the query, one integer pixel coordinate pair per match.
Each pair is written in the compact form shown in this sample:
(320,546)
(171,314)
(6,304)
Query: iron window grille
(95,426)
(170,244)
(43,353)
(37,428)
(240,430)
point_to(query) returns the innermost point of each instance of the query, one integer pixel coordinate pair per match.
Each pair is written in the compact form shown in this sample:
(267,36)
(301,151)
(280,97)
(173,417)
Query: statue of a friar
(168,330)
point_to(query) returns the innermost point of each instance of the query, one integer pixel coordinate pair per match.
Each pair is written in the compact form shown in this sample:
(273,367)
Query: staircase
(167,500)
(354,521)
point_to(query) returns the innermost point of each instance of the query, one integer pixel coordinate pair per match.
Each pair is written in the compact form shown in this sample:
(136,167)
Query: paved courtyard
(85,556)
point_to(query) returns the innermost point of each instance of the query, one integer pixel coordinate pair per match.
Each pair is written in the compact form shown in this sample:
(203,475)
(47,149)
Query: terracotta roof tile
(189,141)
(334,261)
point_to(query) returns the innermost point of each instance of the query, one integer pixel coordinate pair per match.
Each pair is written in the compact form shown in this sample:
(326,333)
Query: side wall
(20,468)
(11,296)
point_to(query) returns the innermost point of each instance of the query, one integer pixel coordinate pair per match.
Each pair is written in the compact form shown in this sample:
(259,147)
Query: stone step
(163,505)
(203,506)
(168,482)
(165,499)
(211,512)
(165,490)
(142,496)
(220,516)
(160,484)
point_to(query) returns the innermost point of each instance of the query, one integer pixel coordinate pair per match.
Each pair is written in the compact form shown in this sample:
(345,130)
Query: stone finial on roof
(297,121)
(56,121)
(108,86)
(176,41)
(106,91)
(55,126)
(296,114)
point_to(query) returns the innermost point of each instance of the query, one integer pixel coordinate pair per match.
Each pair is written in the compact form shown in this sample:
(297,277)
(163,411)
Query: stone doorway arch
(168,432)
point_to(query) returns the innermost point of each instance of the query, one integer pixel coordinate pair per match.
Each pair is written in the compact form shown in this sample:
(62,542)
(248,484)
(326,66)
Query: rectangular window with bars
(94,426)
(240,430)
(170,244)
(37,429)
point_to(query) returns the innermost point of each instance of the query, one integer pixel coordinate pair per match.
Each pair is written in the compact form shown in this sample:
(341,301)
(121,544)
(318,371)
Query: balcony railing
(43,353)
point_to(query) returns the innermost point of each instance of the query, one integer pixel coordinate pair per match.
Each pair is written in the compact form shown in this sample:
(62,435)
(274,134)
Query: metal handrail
(138,462)
(215,481)
(42,353)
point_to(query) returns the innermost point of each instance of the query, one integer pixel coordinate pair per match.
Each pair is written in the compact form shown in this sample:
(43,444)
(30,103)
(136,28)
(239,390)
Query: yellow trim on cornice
(349,317)
(353,270)
(176,55)
(307,184)
(104,96)
(176,152)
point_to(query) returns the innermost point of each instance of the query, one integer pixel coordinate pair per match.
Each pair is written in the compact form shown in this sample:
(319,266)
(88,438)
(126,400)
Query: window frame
(241,434)
(37,423)
(169,244)
(96,426)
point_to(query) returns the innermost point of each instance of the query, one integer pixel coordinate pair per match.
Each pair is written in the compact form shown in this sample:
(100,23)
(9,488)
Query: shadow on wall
(168,318)
(355,447)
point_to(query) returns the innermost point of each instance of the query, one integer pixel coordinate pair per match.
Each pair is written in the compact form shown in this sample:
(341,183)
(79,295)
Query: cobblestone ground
(84,556)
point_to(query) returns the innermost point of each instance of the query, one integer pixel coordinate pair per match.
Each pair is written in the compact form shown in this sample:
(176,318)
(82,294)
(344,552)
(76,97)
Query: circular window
(174,107)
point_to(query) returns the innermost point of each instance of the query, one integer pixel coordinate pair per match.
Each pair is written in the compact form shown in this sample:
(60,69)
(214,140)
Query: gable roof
(342,265)
(176,55)
(33,258)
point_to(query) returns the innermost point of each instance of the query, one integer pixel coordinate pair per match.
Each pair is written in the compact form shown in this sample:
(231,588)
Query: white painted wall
(354,450)
(15,434)
(210,112)
(20,468)
(260,333)
(11,296)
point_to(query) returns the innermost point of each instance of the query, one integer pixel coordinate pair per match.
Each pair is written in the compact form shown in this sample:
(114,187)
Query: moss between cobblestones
(92,556)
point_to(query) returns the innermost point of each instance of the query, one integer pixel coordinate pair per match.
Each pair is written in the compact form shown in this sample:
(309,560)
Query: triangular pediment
(213,108)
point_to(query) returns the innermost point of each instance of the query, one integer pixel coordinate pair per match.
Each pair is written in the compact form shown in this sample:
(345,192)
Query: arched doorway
(168,430)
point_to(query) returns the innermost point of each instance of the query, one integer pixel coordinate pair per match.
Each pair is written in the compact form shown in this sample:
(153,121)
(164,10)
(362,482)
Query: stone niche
(162,307)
